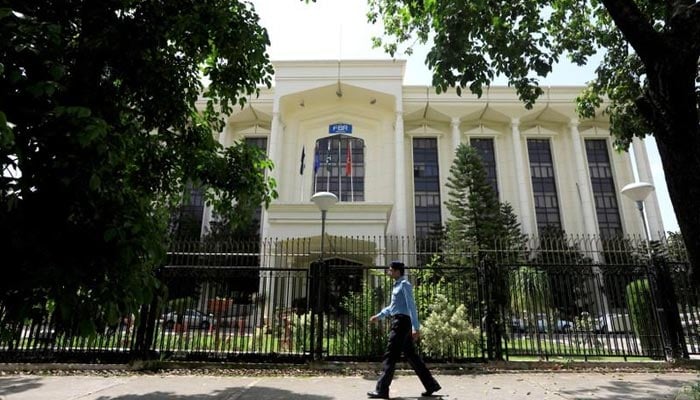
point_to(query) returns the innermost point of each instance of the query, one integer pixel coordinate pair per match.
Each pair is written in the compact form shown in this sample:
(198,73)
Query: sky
(338,29)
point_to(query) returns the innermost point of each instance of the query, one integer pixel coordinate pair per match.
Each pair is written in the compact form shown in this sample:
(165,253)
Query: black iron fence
(569,297)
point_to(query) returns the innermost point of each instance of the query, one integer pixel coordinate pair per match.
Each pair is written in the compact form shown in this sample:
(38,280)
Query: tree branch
(636,28)
(685,24)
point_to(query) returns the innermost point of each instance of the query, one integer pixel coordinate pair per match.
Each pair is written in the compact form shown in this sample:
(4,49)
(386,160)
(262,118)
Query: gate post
(493,295)
(317,300)
(669,304)
(143,343)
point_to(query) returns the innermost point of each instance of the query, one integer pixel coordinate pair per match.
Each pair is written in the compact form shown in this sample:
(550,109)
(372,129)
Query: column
(456,135)
(520,168)
(275,144)
(273,153)
(585,192)
(583,184)
(400,176)
(651,204)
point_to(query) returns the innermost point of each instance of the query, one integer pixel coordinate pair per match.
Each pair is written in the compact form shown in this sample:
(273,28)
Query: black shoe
(376,395)
(432,390)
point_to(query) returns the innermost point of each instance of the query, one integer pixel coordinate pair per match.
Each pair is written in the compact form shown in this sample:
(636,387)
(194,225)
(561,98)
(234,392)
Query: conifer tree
(512,243)
(475,217)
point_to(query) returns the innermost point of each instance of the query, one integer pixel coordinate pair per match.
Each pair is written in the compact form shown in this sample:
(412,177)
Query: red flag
(348,161)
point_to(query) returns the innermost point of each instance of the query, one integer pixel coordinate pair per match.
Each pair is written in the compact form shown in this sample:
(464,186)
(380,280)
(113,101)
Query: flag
(329,167)
(348,161)
(317,159)
(303,155)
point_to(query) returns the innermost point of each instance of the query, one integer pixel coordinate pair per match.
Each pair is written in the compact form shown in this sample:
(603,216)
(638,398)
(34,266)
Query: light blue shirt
(402,302)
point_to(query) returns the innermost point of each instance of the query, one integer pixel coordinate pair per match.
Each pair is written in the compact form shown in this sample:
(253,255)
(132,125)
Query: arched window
(339,167)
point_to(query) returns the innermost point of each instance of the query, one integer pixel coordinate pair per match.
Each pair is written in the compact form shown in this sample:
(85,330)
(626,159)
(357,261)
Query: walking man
(405,328)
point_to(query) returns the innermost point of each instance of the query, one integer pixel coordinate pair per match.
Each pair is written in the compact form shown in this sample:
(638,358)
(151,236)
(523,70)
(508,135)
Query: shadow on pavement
(14,385)
(619,390)
(238,393)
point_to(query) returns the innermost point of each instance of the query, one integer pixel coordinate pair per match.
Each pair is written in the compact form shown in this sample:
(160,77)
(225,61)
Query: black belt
(400,316)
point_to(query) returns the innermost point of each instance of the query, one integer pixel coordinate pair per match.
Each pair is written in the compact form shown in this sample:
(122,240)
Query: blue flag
(317,160)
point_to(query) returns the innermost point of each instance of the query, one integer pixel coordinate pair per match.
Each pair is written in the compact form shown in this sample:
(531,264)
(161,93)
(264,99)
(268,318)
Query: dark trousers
(400,340)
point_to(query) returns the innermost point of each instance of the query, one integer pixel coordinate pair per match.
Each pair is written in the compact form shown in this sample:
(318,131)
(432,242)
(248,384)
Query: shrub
(360,337)
(638,296)
(447,333)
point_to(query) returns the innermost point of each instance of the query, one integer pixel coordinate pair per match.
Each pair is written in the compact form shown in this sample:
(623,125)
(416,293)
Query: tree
(103,121)
(475,220)
(478,222)
(649,72)
(479,231)
(511,246)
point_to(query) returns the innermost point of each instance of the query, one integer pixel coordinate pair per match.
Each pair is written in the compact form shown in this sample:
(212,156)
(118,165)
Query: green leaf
(117,142)
(95,182)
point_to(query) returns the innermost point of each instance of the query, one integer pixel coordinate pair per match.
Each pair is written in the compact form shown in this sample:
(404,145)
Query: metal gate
(276,301)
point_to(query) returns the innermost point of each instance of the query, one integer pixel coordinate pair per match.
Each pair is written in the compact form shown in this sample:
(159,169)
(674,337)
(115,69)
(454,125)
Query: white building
(550,166)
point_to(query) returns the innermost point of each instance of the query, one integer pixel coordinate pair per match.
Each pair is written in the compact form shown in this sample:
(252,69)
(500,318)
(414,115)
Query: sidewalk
(478,386)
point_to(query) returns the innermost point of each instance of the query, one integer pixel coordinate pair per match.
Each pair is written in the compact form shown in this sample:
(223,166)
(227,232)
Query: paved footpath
(480,386)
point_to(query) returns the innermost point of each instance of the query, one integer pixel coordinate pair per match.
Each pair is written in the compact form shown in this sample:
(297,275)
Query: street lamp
(638,192)
(324,201)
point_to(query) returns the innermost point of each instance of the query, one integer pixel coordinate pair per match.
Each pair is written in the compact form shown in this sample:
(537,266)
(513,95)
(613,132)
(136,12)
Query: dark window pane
(484,148)
(603,186)
(543,185)
(426,183)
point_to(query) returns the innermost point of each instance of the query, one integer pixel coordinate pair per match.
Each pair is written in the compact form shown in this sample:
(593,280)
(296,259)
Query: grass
(352,343)
(692,391)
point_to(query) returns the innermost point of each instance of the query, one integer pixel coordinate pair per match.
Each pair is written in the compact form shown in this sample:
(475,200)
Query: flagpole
(328,167)
(302,169)
(340,175)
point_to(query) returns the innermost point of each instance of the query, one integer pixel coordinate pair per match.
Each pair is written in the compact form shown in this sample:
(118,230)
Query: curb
(347,368)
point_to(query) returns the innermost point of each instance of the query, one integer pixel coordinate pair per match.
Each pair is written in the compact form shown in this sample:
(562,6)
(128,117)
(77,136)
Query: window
(603,186)
(484,147)
(426,183)
(187,220)
(259,142)
(544,187)
(339,167)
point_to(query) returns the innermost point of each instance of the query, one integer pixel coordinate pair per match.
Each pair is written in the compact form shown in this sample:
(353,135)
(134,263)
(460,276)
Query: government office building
(385,150)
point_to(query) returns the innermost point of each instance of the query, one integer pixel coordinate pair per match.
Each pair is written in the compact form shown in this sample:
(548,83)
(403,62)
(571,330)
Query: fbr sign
(334,129)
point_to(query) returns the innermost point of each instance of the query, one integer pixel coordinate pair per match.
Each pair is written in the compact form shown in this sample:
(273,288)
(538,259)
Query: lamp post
(638,192)
(324,201)
(675,336)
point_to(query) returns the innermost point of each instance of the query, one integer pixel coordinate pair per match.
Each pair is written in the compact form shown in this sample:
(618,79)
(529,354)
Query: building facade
(385,149)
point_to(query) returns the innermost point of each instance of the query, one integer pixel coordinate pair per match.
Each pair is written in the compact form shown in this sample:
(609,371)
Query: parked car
(518,325)
(690,320)
(559,325)
(190,317)
(613,323)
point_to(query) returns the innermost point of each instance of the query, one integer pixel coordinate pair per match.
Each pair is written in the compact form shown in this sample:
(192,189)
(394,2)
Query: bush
(360,337)
(638,296)
(447,333)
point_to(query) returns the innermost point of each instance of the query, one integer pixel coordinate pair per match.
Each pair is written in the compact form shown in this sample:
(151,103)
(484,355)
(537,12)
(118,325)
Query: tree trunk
(671,109)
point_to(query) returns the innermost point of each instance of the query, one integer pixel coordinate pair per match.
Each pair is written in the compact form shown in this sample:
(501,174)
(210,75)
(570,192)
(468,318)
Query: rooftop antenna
(339,90)
(427,102)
